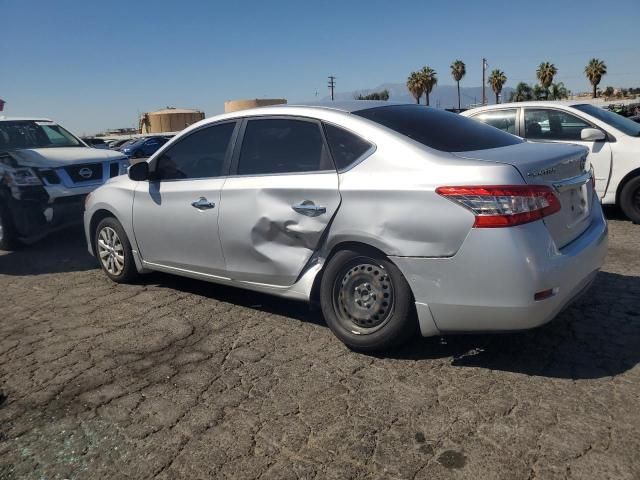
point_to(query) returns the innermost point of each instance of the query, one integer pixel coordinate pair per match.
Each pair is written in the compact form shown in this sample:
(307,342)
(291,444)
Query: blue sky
(93,65)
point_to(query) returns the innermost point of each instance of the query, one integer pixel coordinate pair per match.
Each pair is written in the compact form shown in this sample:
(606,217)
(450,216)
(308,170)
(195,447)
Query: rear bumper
(489,285)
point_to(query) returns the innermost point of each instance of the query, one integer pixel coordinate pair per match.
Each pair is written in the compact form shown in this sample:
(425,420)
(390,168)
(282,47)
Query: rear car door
(175,215)
(280,198)
(554,125)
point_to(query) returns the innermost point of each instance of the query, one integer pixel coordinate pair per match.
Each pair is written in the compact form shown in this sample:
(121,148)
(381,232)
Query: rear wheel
(630,199)
(366,301)
(113,251)
(8,239)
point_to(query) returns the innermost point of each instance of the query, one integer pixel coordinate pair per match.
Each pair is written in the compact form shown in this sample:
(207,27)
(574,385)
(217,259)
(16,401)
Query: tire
(366,301)
(630,199)
(8,238)
(113,251)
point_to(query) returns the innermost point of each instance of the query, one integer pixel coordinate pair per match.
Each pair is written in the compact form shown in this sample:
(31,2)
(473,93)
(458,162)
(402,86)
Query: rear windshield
(439,129)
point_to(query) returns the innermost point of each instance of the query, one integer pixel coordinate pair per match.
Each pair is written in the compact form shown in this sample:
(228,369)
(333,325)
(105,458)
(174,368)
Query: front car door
(175,215)
(554,125)
(280,198)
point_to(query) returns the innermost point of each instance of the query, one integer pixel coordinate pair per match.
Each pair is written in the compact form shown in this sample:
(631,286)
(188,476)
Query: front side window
(615,120)
(282,146)
(345,146)
(546,124)
(505,119)
(198,155)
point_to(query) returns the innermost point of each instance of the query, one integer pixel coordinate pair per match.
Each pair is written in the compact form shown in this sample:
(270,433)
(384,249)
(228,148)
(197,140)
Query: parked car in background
(382,213)
(116,144)
(613,141)
(45,174)
(143,147)
(95,142)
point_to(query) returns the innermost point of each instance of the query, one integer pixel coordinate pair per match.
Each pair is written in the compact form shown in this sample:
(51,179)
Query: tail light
(504,205)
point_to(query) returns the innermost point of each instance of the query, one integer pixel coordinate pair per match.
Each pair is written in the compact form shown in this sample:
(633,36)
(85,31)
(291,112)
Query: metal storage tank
(235,105)
(169,120)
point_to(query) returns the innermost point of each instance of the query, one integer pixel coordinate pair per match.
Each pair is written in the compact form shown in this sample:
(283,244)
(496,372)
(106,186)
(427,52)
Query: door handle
(309,209)
(203,204)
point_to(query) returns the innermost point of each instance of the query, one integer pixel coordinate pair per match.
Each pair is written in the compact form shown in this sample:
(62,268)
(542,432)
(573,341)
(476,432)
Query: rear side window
(505,119)
(198,155)
(282,146)
(346,147)
(439,129)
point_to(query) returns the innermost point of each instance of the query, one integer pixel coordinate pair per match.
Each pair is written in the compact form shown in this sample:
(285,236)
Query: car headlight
(21,177)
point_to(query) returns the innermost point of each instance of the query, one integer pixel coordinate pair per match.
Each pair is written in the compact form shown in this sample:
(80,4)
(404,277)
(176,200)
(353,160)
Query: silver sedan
(395,218)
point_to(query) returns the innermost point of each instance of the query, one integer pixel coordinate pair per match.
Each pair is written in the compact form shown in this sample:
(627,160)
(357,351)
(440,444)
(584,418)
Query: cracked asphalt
(175,378)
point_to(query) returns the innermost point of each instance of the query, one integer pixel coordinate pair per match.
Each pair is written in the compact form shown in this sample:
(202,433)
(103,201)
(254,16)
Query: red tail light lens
(504,205)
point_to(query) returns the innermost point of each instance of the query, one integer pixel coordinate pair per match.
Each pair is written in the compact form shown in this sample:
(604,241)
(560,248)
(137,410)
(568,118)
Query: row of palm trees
(423,81)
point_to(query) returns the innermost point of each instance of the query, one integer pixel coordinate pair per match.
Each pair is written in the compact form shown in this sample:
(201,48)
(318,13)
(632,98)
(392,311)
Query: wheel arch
(96,218)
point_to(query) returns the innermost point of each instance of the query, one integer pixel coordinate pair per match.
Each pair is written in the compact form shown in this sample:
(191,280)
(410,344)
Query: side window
(505,119)
(198,155)
(55,137)
(345,147)
(546,124)
(282,146)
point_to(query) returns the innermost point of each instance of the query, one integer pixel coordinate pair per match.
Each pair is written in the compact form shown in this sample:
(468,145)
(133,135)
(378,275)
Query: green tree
(557,91)
(383,95)
(522,93)
(429,80)
(539,92)
(545,73)
(594,71)
(458,71)
(496,80)
(415,85)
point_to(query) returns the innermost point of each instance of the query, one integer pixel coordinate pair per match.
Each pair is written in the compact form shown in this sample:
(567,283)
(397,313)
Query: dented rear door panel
(266,240)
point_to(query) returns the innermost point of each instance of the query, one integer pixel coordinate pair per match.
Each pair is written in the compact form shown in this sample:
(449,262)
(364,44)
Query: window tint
(615,120)
(439,129)
(198,155)
(345,147)
(282,146)
(505,120)
(544,124)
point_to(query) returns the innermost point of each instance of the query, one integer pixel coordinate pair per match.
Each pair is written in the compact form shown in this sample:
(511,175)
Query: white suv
(613,141)
(45,174)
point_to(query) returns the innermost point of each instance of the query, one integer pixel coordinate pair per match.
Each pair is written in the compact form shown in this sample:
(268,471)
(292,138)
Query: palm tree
(594,71)
(545,73)
(429,80)
(497,79)
(458,70)
(415,85)
(522,93)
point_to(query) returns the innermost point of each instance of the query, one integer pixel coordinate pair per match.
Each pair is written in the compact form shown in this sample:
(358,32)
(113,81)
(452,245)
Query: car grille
(85,173)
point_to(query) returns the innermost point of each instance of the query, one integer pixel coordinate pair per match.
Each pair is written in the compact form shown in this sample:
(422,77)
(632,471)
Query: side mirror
(592,135)
(139,172)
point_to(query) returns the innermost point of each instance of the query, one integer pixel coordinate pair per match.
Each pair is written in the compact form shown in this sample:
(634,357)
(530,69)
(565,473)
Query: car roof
(344,106)
(24,119)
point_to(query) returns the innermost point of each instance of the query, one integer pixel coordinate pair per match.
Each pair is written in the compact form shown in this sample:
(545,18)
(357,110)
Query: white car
(613,141)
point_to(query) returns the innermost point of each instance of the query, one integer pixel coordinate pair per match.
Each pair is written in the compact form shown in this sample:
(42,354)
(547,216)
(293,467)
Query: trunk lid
(564,168)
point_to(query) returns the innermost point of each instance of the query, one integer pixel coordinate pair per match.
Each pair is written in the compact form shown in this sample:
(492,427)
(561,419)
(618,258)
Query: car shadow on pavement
(60,252)
(598,336)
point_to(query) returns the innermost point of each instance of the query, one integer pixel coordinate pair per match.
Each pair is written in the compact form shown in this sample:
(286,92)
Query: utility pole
(484,69)
(332,85)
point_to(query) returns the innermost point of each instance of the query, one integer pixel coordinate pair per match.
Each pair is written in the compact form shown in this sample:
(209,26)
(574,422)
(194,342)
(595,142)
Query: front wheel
(630,199)
(366,301)
(113,250)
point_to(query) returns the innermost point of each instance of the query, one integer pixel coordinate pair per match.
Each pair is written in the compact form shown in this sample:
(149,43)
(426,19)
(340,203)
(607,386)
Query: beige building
(235,105)
(169,120)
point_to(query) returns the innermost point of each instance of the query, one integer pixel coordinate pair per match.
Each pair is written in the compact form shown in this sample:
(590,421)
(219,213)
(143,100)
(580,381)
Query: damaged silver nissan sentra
(394,217)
